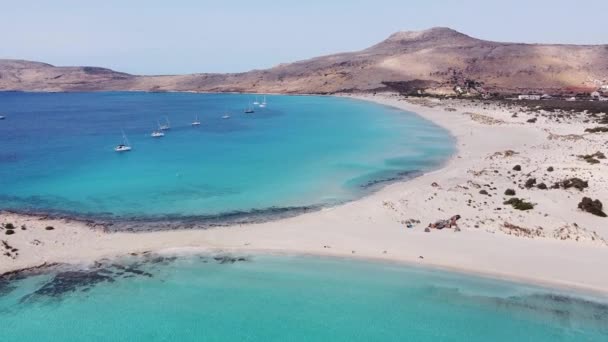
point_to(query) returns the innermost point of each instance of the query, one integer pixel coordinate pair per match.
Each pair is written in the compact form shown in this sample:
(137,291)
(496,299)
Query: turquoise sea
(263,298)
(298,153)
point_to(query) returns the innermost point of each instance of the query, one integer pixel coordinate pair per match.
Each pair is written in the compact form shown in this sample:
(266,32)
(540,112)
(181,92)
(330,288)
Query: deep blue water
(201,298)
(57,153)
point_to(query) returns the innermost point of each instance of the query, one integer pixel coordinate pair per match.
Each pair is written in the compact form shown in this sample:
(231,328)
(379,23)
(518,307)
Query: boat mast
(124,139)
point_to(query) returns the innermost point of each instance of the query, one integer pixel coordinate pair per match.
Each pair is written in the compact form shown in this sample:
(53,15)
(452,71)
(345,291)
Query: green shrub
(519,204)
(509,192)
(591,206)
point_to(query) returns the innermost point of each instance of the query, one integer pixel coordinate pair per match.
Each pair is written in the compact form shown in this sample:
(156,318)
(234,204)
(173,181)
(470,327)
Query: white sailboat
(166,125)
(158,133)
(196,122)
(256,102)
(263,104)
(125,146)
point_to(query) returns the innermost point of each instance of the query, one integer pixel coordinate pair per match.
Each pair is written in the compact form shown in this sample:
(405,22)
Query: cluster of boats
(160,132)
(166,125)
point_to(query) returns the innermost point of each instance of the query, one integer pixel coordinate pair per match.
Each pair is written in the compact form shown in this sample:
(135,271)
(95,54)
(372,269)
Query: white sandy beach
(568,251)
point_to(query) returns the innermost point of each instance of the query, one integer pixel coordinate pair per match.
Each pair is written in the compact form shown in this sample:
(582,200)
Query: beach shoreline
(574,290)
(373,227)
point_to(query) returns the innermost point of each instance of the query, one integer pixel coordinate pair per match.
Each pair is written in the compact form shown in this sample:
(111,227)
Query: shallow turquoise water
(265,298)
(57,152)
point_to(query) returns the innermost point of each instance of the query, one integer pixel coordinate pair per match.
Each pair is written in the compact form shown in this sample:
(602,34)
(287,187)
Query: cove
(298,153)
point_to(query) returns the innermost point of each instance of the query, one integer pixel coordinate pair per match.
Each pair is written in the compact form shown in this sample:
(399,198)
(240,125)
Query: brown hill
(438,60)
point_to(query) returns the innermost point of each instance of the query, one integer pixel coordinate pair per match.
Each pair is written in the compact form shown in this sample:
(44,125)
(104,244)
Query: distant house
(529,97)
(604,88)
(596,95)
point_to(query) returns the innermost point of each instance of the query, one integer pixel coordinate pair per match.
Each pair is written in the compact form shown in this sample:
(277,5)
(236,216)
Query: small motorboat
(226,116)
(2,117)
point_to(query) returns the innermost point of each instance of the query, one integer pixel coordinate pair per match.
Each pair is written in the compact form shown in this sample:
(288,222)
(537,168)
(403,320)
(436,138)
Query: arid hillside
(439,60)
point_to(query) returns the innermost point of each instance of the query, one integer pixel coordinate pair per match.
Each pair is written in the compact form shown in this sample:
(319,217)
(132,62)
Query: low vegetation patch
(484,119)
(567,137)
(505,154)
(594,207)
(578,234)
(598,129)
(593,158)
(519,204)
(530,183)
(511,229)
(574,182)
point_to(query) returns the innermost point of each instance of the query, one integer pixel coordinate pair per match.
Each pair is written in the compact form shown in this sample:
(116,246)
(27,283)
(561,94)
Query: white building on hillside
(529,97)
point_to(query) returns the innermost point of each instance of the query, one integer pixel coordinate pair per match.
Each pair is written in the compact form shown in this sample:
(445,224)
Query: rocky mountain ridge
(434,61)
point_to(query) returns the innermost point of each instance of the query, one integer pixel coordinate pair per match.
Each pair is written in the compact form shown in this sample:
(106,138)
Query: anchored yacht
(125,146)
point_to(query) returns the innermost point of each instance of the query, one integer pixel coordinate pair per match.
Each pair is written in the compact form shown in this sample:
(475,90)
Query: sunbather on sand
(452,222)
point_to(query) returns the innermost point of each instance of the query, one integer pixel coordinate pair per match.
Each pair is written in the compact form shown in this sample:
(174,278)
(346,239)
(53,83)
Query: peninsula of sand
(527,183)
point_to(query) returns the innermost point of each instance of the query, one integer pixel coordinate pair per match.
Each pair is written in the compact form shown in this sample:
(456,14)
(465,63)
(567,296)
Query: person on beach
(441,224)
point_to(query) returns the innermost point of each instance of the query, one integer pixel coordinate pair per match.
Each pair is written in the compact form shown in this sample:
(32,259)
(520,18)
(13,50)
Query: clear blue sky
(186,36)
